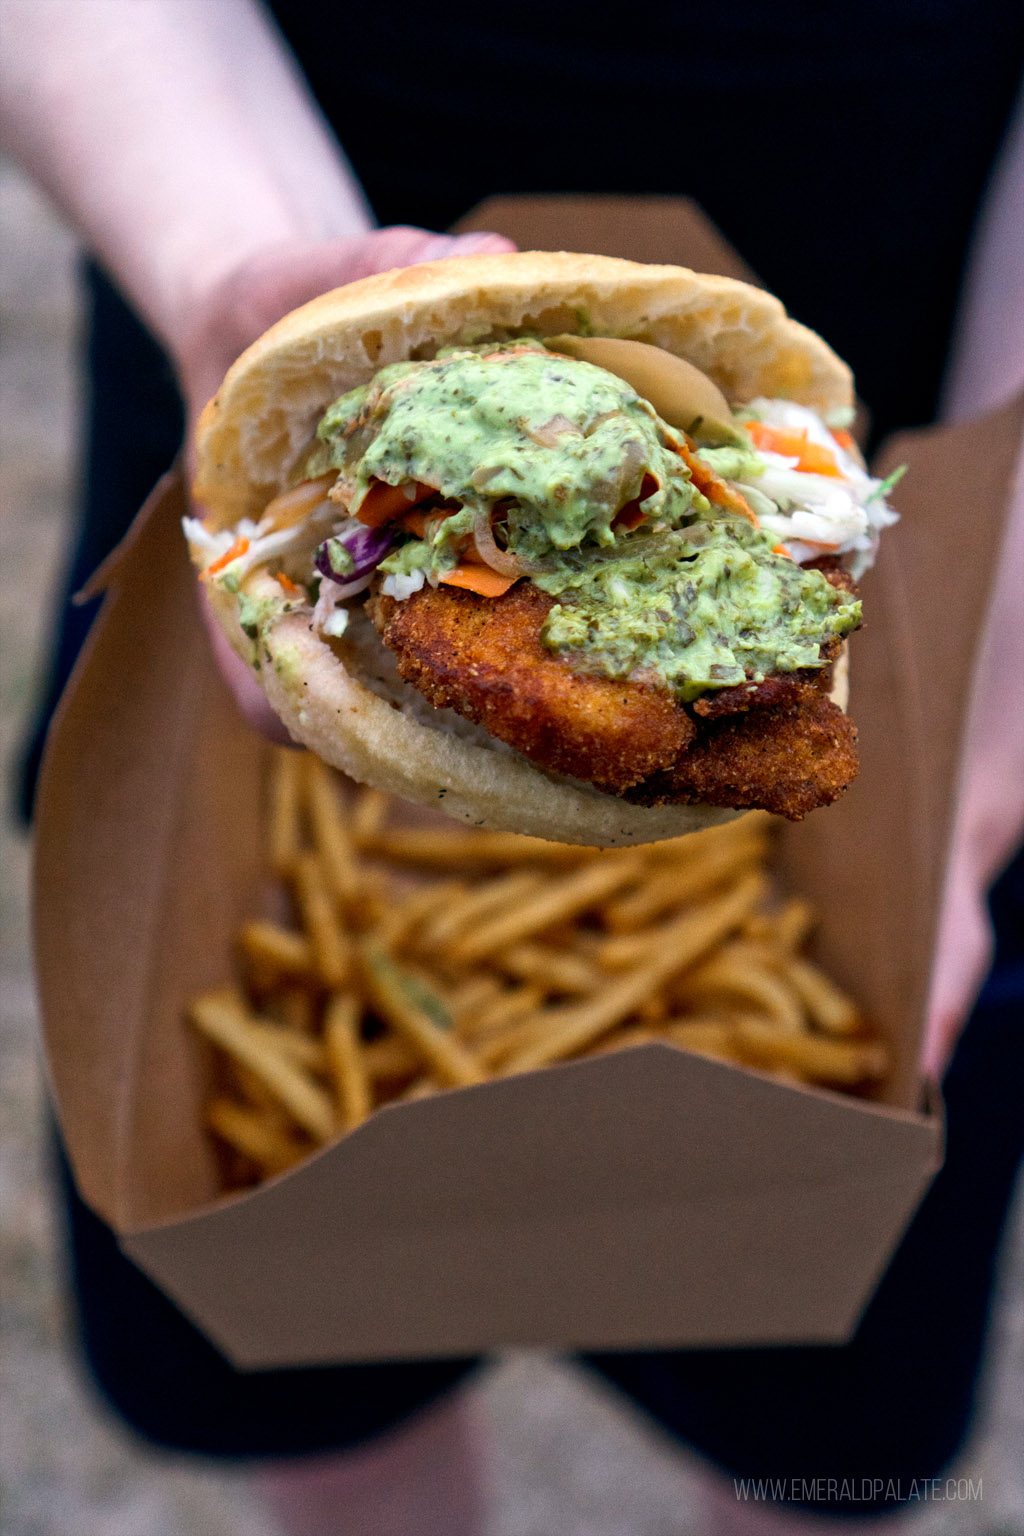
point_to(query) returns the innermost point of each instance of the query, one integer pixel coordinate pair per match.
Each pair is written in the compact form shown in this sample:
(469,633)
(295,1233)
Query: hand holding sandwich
(243,304)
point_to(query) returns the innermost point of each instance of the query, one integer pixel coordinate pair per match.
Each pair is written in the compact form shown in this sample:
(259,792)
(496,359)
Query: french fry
(255,1094)
(331,946)
(413,1011)
(621,1040)
(302,1049)
(559,971)
(793,923)
(457,917)
(403,919)
(564,897)
(283,834)
(622,951)
(830,1009)
(676,884)
(221,1017)
(347,1060)
(295,1007)
(473,850)
(423,1088)
(505,1009)
(391,1059)
(842,1063)
(654,1009)
(502,1046)
(470,995)
(734,974)
(376,900)
(530,953)
(706,1037)
(249,1132)
(368,818)
(331,834)
(275,950)
(683,941)
(758,928)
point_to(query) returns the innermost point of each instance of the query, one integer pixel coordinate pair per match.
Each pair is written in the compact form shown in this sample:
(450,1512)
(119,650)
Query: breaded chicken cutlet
(781,745)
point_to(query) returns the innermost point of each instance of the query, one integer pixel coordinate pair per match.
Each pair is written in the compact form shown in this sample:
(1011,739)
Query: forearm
(177,136)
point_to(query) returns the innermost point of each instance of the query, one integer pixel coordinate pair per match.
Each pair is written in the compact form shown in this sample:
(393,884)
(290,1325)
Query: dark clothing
(842,151)
(845,155)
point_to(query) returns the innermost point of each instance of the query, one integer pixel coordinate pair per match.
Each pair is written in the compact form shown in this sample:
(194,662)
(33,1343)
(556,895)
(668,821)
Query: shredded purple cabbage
(367,546)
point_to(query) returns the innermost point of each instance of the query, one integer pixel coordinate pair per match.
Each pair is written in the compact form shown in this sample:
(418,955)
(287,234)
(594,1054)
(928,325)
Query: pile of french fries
(421,958)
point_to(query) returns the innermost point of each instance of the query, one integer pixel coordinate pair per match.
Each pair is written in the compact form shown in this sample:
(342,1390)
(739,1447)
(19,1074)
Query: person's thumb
(478,243)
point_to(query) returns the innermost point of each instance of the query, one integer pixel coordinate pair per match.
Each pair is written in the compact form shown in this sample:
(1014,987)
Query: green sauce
(565,443)
(555,448)
(702,607)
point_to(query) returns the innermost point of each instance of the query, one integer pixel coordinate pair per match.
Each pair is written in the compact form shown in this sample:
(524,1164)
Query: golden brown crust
(483,657)
(788,760)
(779,745)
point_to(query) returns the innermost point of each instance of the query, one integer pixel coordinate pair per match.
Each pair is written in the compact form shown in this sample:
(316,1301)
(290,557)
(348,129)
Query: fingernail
(479,243)
(435,248)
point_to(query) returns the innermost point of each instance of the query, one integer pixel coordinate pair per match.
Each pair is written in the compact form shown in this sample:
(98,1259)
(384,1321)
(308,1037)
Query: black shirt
(842,150)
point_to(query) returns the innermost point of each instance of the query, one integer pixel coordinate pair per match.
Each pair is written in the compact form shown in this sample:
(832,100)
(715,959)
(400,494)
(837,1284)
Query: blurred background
(569,1457)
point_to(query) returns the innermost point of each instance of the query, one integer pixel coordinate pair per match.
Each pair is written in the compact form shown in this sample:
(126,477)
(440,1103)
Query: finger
(479,243)
(404,246)
(283,277)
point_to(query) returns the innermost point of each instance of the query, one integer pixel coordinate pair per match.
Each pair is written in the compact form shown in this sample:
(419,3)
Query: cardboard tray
(644,1198)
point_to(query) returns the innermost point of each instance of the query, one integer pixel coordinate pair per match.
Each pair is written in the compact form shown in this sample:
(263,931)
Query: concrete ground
(569,1458)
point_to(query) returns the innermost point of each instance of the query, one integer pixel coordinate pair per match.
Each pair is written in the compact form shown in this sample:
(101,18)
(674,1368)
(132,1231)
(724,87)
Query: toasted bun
(341,698)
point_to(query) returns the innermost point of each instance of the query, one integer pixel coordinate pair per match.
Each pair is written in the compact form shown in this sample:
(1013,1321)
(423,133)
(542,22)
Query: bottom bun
(345,701)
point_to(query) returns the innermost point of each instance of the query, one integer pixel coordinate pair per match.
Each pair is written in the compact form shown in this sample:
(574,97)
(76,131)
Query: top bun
(262,419)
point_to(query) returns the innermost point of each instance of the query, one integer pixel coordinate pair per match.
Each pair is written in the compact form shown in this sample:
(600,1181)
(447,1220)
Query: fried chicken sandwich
(563,544)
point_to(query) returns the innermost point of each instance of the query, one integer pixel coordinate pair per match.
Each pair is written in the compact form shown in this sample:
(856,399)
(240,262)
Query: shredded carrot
(711,484)
(810,457)
(501,357)
(238,548)
(780,549)
(480,579)
(414,522)
(630,516)
(291,587)
(844,439)
(470,555)
(384,503)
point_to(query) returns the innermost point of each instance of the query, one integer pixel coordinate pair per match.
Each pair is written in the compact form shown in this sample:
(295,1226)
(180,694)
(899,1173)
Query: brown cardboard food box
(639,1199)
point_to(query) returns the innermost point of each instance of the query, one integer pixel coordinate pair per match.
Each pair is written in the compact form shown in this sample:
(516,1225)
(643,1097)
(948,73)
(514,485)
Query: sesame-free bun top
(343,699)
(252,434)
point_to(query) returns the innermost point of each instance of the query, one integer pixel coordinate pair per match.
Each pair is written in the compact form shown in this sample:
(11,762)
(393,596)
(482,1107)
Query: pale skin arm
(180,140)
(987,371)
